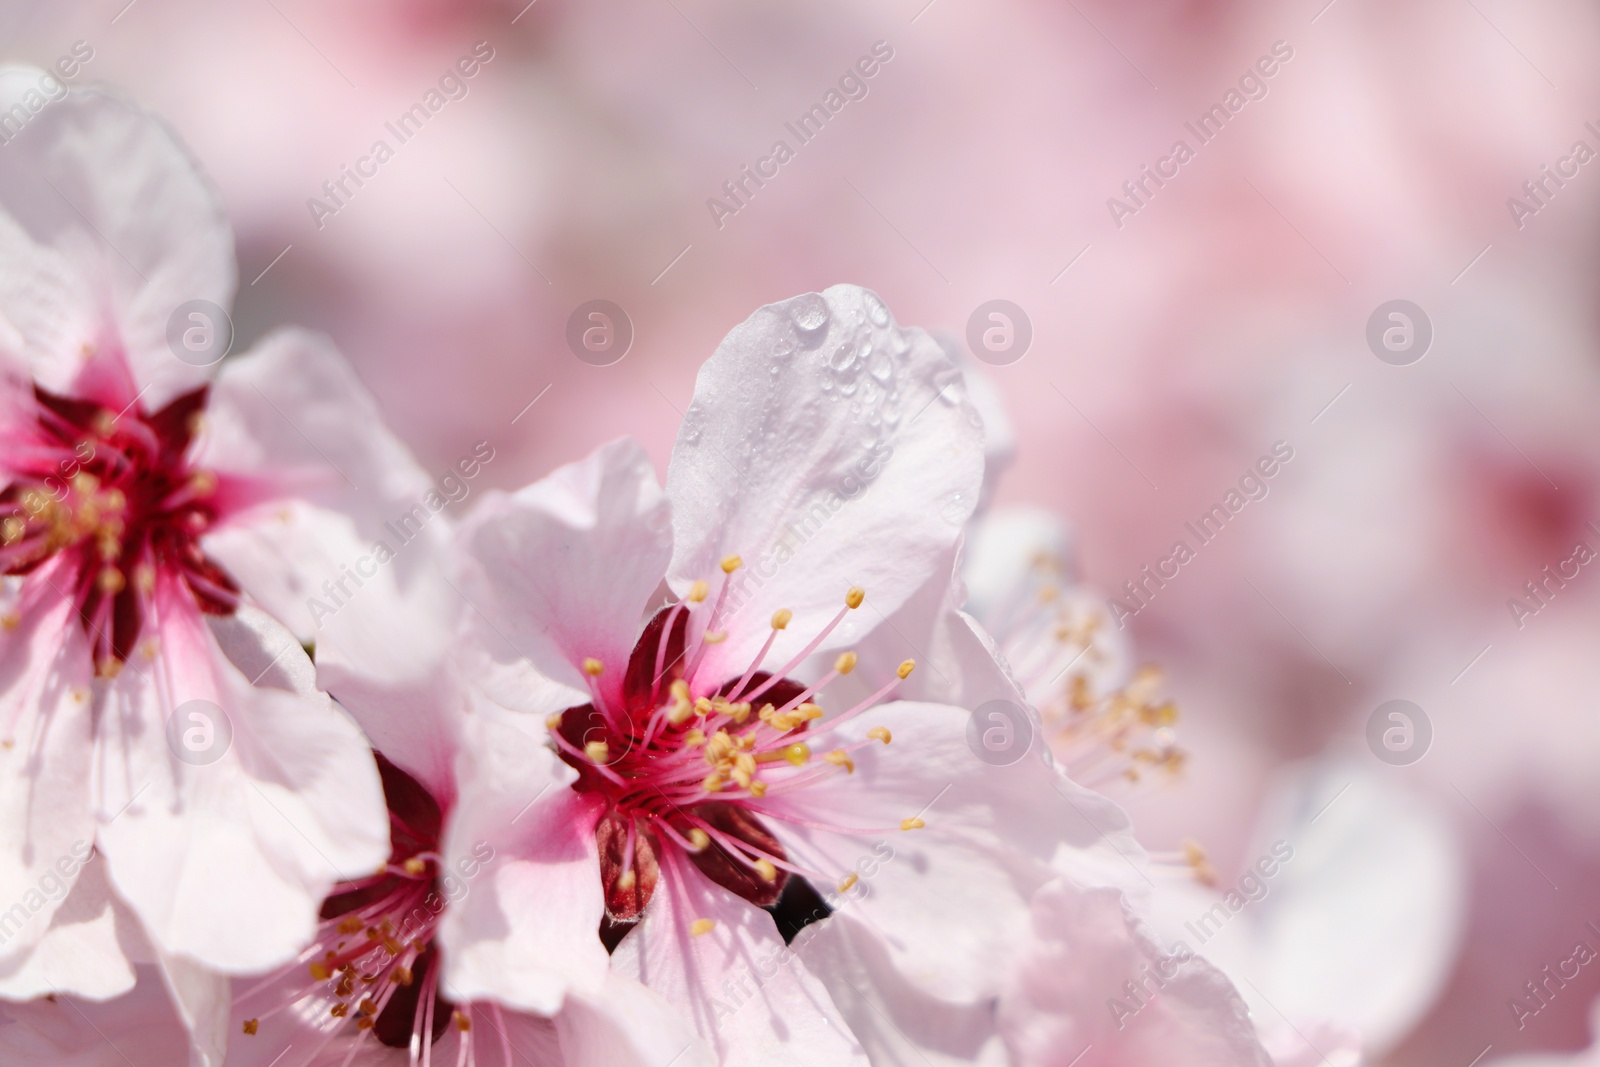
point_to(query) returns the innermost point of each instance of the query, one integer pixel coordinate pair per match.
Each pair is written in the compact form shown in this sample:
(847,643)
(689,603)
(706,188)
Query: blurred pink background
(1169,352)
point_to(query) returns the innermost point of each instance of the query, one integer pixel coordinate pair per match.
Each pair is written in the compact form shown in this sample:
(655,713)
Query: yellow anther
(415,865)
(845,663)
(319,971)
(366,1022)
(144,578)
(715,637)
(698,839)
(698,592)
(110,581)
(593,667)
(731,564)
(339,1010)
(739,712)
(597,751)
(912,823)
(766,870)
(703,705)
(85,483)
(553,722)
(350,925)
(628,879)
(849,882)
(679,689)
(809,710)
(840,758)
(797,754)
(252,1025)
(402,976)
(1195,855)
(1048,593)
(702,926)
(712,783)
(12,529)
(780,618)
(694,738)
(880,733)
(462,1022)
(758,788)
(203,482)
(854,597)
(905,669)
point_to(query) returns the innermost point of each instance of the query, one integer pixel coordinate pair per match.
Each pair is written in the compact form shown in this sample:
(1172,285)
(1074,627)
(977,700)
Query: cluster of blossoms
(601,771)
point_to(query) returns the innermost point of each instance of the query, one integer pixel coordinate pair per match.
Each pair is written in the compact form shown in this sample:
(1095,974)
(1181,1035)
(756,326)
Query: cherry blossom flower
(820,481)
(153,508)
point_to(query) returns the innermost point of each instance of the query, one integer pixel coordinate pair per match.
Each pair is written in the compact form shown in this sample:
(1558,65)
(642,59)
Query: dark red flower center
(106,505)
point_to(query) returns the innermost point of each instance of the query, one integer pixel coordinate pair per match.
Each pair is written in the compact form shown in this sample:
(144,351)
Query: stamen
(702,926)
(912,823)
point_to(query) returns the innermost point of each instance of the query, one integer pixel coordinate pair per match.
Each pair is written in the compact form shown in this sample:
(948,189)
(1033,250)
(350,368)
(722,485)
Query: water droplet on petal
(876,311)
(809,313)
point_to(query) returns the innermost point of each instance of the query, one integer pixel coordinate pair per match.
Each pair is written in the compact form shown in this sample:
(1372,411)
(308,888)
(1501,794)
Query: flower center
(374,961)
(686,761)
(104,505)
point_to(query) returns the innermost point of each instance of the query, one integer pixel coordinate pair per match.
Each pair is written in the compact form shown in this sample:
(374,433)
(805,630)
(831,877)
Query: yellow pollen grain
(593,667)
(905,669)
(781,617)
(854,597)
(845,663)
(702,926)
(849,881)
(912,823)
(252,1025)
(699,839)
(840,758)
(596,751)
(880,733)
(731,564)
(415,865)
(766,870)
(699,591)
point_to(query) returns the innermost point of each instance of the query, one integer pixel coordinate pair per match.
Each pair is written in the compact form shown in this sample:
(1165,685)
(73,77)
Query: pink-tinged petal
(1095,988)
(564,568)
(519,851)
(738,984)
(950,899)
(227,861)
(898,1024)
(45,757)
(291,418)
(122,229)
(89,949)
(201,999)
(827,448)
(627,1025)
(139,1029)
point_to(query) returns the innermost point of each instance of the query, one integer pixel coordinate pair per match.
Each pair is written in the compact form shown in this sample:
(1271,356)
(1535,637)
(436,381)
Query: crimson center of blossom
(693,763)
(374,965)
(107,505)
